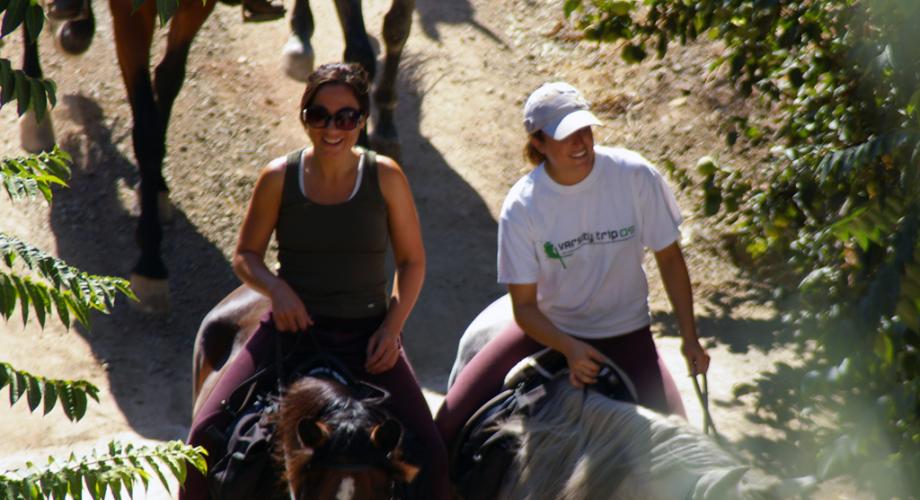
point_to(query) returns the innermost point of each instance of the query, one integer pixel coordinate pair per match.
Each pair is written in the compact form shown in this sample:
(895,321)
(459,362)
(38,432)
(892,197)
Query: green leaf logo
(552,253)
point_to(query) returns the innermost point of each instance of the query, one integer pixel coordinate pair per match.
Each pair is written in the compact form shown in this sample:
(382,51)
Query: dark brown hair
(532,154)
(351,75)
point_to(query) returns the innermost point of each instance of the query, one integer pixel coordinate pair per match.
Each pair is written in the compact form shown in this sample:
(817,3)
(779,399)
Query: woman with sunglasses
(572,235)
(335,209)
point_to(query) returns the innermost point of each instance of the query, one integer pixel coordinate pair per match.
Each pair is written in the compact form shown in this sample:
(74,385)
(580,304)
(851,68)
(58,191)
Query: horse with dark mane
(330,439)
(151,96)
(332,445)
(581,444)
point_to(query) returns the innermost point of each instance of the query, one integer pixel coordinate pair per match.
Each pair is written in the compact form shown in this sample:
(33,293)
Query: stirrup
(255,11)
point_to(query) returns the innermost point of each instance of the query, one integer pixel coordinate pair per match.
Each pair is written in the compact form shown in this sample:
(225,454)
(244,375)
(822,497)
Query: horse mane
(325,401)
(348,426)
(600,444)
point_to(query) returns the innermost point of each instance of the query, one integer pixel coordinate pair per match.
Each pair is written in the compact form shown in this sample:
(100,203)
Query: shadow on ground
(460,241)
(95,233)
(435,12)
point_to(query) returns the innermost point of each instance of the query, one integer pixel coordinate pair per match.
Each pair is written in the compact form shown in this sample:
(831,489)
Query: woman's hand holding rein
(584,362)
(382,350)
(288,311)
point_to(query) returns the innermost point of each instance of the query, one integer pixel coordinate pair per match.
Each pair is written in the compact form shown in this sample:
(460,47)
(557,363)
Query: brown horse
(328,442)
(152,95)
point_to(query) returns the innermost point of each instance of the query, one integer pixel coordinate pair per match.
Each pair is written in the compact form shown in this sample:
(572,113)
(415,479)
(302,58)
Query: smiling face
(569,160)
(331,140)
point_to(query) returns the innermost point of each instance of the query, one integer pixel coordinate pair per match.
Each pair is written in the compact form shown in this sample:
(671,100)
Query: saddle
(483,451)
(245,469)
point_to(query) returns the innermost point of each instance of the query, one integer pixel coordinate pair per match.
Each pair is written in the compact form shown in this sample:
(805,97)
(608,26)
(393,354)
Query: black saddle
(483,452)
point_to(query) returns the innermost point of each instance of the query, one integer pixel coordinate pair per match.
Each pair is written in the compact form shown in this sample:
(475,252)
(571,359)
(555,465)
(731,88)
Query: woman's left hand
(382,351)
(697,359)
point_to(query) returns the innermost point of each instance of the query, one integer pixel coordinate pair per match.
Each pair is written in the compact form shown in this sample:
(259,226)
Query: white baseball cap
(558,109)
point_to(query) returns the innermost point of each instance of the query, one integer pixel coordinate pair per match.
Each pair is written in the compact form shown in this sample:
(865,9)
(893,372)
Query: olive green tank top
(334,255)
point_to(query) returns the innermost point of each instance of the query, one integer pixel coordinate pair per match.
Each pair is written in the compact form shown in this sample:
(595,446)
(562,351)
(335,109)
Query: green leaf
(155,467)
(913,106)
(39,100)
(34,392)
(621,8)
(18,387)
(35,20)
(79,405)
(7,82)
(40,301)
(50,396)
(633,53)
(166,9)
(51,92)
(23,89)
(23,299)
(15,13)
(570,6)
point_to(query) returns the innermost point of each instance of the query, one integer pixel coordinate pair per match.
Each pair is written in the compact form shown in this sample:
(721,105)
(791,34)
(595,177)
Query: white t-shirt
(583,244)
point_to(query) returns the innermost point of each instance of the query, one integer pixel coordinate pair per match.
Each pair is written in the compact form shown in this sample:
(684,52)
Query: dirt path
(468,66)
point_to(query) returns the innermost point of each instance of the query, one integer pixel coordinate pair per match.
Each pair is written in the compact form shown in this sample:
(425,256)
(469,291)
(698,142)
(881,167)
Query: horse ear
(386,436)
(405,472)
(312,433)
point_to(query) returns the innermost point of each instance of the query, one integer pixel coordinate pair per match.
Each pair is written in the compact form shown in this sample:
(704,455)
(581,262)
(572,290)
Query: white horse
(582,445)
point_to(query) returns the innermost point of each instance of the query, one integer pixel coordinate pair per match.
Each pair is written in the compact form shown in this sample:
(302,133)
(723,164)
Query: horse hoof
(74,37)
(386,146)
(36,136)
(152,294)
(63,10)
(297,59)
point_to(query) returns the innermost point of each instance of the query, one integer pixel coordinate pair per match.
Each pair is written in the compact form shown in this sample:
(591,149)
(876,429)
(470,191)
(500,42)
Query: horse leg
(396,26)
(75,35)
(34,136)
(170,74)
(357,44)
(133,37)
(297,56)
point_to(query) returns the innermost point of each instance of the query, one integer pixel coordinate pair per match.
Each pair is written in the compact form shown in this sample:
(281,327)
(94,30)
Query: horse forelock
(348,447)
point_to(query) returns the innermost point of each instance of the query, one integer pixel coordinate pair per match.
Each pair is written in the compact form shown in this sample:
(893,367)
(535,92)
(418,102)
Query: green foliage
(36,174)
(52,286)
(836,204)
(34,93)
(45,393)
(116,472)
(64,289)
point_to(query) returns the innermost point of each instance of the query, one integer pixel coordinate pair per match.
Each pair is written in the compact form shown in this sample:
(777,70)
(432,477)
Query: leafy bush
(43,285)
(836,204)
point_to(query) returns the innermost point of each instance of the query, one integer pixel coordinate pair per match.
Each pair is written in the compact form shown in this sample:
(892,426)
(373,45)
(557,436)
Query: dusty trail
(468,66)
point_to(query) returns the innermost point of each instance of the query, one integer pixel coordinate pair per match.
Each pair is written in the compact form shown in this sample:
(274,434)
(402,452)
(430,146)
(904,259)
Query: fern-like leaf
(41,391)
(27,177)
(116,471)
(62,289)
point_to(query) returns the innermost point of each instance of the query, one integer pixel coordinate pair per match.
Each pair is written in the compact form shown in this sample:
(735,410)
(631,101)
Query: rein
(703,395)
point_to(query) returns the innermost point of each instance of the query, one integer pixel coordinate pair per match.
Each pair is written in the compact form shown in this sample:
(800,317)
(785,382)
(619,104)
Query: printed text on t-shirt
(568,247)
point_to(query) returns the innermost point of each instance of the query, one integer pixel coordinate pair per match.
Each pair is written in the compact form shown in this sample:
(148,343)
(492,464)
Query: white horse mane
(583,443)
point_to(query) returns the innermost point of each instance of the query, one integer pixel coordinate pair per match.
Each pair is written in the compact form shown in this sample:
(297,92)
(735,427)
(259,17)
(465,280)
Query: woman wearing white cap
(571,239)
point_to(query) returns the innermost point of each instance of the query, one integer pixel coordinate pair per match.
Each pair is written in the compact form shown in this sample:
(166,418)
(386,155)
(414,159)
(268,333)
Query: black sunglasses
(319,117)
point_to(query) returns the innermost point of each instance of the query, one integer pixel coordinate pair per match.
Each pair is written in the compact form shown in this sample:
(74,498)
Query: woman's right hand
(288,310)
(584,363)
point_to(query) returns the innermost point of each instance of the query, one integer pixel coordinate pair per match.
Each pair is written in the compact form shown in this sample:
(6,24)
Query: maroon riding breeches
(482,378)
(347,341)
